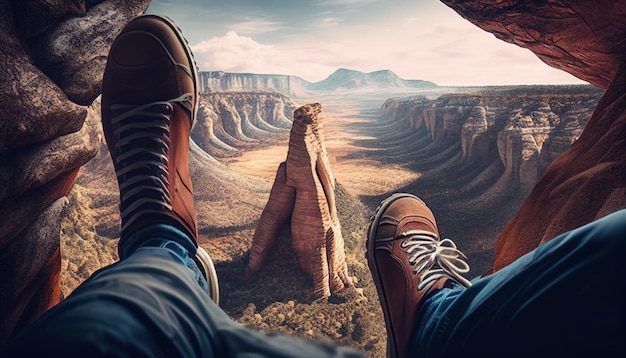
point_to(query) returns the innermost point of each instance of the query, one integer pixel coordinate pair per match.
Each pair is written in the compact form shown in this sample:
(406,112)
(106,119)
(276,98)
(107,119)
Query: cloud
(256,26)
(234,53)
(441,48)
(328,22)
(346,2)
(416,39)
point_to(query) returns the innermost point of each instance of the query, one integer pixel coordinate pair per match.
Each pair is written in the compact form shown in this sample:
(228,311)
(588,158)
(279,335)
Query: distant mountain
(293,86)
(350,79)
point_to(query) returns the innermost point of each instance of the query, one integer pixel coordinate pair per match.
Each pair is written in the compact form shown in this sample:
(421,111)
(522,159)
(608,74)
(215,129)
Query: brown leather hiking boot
(408,261)
(149,104)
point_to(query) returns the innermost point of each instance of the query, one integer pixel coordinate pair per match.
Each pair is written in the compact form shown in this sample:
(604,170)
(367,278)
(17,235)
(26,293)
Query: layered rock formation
(52,58)
(587,181)
(521,132)
(229,122)
(218,81)
(304,191)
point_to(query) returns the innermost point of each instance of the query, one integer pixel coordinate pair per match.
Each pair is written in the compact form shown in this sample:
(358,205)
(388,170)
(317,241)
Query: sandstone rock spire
(304,190)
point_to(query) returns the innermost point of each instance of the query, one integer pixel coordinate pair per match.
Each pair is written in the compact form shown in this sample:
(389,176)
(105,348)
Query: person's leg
(562,299)
(159,299)
(154,301)
(408,261)
(151,304)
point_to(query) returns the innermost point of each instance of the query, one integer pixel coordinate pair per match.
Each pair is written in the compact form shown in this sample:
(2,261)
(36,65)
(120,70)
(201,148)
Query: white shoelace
(147,163)
(434,258)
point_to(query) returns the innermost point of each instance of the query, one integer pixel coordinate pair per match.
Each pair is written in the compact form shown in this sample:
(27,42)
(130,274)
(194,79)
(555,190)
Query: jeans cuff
(170,238)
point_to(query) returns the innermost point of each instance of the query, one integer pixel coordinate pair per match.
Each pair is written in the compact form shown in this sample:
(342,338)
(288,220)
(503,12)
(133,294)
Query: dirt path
(360,174)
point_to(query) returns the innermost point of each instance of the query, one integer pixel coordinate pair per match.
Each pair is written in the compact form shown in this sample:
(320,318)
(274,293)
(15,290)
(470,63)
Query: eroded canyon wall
(527,127)
(230,122)
(586,39)
(586,182)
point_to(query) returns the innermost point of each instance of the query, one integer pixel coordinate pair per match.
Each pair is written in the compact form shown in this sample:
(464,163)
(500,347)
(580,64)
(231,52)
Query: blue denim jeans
(563,299)
(168,237)
(153,303)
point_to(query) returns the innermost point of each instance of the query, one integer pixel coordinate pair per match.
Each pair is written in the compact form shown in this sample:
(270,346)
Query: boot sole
(208,268)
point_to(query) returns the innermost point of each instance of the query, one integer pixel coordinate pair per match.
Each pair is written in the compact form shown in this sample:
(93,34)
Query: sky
(416,39)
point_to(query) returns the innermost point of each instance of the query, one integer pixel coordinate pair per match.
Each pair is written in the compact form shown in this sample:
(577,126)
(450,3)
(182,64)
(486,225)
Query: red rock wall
(588,181)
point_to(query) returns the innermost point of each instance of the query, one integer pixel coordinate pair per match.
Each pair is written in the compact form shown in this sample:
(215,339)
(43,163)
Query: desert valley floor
(344,124)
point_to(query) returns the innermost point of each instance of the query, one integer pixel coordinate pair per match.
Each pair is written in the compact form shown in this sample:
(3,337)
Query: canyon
(472,155)
(497,165)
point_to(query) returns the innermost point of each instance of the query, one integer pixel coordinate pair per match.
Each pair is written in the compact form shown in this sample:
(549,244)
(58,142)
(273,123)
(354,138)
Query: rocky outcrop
(73,54)
(587,181)
(474,138)
(229,122)
(51,65)
(303,191)
(584,38)
(526,130)
(218,81)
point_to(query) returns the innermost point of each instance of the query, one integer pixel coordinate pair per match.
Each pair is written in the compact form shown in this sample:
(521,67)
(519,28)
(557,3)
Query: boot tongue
(417,225)
(391,230)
